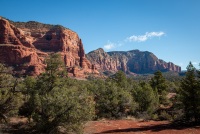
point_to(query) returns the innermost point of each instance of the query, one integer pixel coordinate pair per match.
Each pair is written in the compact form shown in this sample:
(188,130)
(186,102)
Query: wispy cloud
(195,63)
(109,45)
(146,36)
(134,38)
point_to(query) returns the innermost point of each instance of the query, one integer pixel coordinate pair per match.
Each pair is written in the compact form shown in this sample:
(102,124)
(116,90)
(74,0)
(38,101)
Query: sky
(168,28)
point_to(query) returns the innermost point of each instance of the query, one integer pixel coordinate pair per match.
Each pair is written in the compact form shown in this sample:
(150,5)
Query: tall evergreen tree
(158,83)
(190,94)
(120,79)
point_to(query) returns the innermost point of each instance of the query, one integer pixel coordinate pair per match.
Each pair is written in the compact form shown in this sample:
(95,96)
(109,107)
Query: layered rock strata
(134,61)
(25,45)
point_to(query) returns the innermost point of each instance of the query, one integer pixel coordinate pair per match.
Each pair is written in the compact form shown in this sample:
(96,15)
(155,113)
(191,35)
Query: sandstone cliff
(134,61)
(25,45)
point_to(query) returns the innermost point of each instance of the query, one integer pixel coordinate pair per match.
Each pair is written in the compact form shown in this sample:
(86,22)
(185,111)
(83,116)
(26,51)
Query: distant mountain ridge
(26,45)
(133,61)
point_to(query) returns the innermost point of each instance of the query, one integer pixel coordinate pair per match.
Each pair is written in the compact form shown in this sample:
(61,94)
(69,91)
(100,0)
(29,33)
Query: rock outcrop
(134,61)
(25,45)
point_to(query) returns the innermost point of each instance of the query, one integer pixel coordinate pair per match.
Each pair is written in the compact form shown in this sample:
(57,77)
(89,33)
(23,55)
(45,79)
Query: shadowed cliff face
(134,61)
(25,45)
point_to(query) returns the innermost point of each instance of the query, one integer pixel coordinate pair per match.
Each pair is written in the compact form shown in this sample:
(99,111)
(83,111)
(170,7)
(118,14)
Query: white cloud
(109,45)
(139,38)
(195,63)
(155,34)
(146,36)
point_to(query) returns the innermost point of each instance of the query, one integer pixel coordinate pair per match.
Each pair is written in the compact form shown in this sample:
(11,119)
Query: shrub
(10,98)
(111,100)
(146,98)
(55,100)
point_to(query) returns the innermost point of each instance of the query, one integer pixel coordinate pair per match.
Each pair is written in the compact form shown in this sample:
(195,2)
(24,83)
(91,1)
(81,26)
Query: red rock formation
(8,33)
(25,46)
(133,61)
(23,59)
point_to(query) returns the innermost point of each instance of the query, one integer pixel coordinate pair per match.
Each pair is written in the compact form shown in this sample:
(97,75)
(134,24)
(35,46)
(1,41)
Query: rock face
(134,61)
(25,45)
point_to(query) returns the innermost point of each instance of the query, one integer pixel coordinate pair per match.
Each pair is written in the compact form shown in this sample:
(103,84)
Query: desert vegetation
(53,100)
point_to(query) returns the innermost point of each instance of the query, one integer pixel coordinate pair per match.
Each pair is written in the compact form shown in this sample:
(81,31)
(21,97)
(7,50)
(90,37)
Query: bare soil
(138,127)
(19,125)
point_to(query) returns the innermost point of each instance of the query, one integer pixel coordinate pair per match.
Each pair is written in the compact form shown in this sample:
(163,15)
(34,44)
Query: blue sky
(168,28)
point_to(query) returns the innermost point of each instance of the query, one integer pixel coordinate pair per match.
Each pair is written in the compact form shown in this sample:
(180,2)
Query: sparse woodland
(52,99)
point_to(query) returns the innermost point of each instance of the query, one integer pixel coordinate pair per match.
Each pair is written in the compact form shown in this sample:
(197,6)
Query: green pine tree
(120,79)
(158,83)
(190,94)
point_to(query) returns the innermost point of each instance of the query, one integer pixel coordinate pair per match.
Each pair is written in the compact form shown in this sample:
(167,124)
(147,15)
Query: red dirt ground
(137,127)
(18,125)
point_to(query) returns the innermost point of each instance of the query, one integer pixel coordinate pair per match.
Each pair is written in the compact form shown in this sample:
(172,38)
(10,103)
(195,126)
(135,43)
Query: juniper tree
(55,100)
(146,98)
(9,96)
